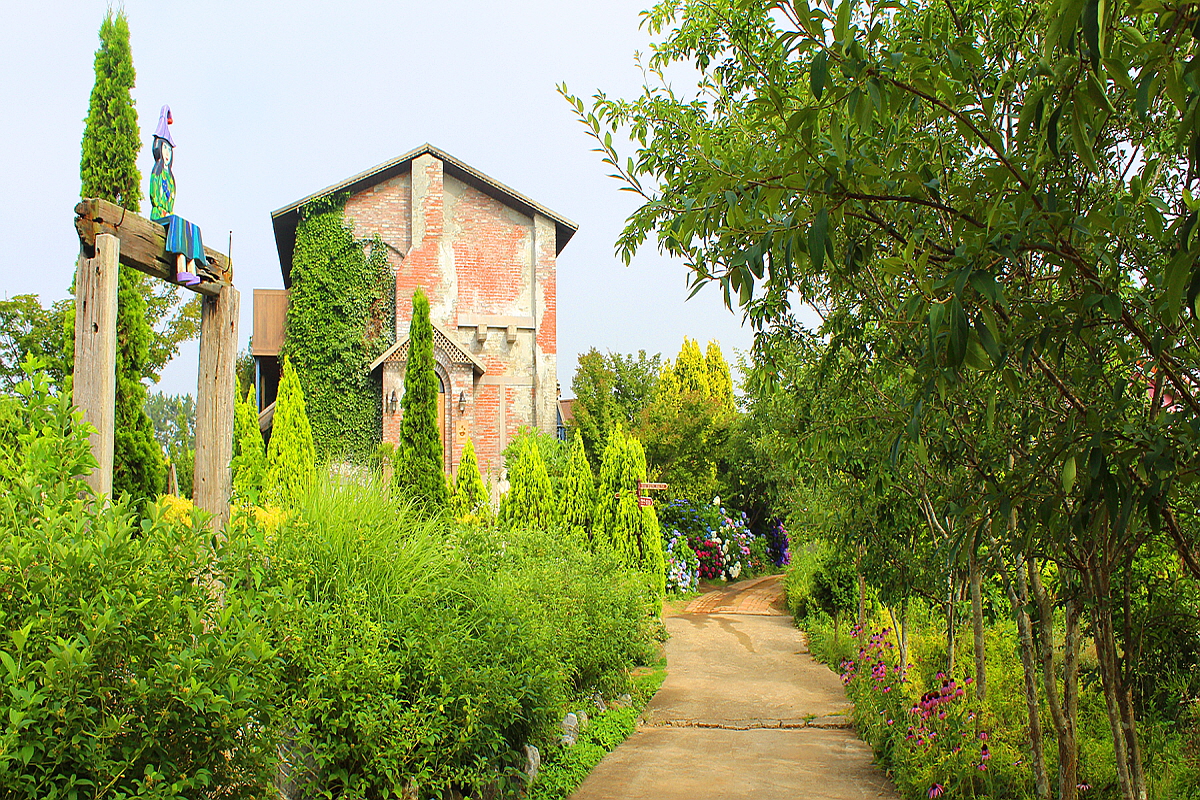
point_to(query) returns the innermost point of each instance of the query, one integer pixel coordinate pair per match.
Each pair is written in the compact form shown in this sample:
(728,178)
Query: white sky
(273,101)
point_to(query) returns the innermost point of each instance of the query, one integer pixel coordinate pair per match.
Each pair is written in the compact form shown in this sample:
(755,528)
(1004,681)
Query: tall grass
(426,653)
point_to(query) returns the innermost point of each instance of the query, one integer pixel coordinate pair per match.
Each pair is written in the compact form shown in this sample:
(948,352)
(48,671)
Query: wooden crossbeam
(143,245)
(109,234)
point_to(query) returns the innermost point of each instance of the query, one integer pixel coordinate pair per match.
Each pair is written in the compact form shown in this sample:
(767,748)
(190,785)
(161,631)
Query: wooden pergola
(108,235)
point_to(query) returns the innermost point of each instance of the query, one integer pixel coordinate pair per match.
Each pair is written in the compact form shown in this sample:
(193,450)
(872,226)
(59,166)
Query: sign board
(652,487)
(645,501)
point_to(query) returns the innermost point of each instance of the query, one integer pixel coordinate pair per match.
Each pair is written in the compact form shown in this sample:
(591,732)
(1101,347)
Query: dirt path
(744,712)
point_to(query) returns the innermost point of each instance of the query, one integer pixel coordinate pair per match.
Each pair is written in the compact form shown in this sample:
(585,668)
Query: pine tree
(530,499)
(108,170)
(418,471)
(470,494)
(691,370)
(620,523)
(578,501)
(249,459)
(291,459)
(720,382)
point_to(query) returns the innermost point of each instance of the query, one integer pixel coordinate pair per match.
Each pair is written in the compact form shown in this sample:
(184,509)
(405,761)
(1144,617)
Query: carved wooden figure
(183,237)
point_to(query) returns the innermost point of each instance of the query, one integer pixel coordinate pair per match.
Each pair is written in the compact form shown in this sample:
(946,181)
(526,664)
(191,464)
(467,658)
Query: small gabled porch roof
(454,352)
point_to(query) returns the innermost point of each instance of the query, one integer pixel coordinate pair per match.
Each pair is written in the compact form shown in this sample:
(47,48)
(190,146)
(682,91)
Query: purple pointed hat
(163,131)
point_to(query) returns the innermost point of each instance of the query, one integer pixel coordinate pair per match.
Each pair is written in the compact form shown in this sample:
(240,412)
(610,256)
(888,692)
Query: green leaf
(20,636)
(1052,130)
(1092,24)
(817,236)
(1068,474)
(841,28)
(959,332)
(987,340)
(1082,141)
(818,74)
(1179,269)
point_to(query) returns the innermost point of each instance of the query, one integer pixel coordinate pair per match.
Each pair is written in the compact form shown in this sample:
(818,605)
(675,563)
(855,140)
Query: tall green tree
(685,427)
(108,170)
(174,421)
(720,382)
(337,323)
(28,329)
(577,500)
(620,523)
(418,463)
(291,455)
(611,388)
(530,499)
(249,457)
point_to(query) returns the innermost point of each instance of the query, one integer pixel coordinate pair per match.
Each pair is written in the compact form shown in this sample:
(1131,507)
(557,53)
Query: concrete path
(744,712)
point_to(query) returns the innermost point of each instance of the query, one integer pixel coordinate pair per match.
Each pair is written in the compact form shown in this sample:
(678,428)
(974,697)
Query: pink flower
(937,790)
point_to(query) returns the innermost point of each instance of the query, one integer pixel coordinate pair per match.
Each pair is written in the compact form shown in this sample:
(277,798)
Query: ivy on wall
(339,318)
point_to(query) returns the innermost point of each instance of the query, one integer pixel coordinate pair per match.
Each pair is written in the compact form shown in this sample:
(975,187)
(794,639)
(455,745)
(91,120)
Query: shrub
(124,675)
(470,499)
(577,500)
(249,459)
(620,523)
(290,455)
(529,499)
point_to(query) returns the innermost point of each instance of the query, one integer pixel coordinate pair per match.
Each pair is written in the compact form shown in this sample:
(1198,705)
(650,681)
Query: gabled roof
(287,218)
(441,341)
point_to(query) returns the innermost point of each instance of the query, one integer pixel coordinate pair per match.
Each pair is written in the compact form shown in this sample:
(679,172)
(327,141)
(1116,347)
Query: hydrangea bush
(706,541)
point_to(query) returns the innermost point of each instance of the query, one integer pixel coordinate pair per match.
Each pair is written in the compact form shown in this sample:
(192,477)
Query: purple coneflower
(937,790)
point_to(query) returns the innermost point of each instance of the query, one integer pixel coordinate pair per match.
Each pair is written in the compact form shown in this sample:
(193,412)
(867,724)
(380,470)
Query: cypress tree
(620,523)
(108,170)
(529,500)
(291,459)
(249,458)
(419,471)
(578,501)
(470,495)
(720,382)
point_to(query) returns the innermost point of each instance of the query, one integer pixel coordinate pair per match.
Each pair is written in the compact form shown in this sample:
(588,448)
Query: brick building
(485,255)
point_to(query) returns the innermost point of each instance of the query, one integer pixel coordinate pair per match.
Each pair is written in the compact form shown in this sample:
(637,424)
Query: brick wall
(477,259)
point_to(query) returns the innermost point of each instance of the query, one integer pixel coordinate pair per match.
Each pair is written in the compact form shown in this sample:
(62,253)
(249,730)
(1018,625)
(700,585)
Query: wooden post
(95,381)
(215,397)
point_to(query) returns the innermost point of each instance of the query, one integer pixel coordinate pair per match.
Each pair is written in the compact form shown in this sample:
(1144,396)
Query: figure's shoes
(187,279)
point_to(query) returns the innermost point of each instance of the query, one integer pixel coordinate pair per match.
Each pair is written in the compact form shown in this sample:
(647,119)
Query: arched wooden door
(441,407)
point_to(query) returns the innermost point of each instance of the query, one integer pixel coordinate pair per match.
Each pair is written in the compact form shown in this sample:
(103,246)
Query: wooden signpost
(644,487)
(108,235)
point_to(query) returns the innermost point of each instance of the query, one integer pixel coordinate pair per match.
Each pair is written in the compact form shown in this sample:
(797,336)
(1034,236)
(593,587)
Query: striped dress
(182,236)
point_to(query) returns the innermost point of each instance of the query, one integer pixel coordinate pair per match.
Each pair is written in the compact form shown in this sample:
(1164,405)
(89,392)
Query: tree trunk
(1064,728)
(901,627)
(862,602)
(977,628)
(1102,629)
(1020,600)
(950,625)
(1071,639)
